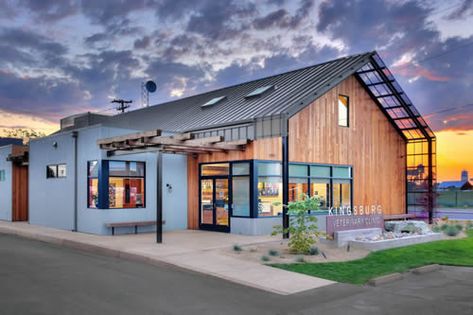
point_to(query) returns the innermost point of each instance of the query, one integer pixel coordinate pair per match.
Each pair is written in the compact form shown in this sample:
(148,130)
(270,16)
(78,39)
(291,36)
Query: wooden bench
(134,224)
(406,216)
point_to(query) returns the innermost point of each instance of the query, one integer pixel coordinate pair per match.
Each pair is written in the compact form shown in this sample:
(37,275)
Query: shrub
(265,258)
(314,250)
(436,229)
(469,225)
(459,226)
(302,229)
(300,259)
(273,252)
(237,248)
(452,230)
(443,227)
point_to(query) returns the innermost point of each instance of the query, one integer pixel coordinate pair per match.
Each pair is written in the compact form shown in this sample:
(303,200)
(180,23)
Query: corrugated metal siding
(186,114)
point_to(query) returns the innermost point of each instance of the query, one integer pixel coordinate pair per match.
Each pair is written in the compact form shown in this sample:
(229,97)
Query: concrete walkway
(198,251)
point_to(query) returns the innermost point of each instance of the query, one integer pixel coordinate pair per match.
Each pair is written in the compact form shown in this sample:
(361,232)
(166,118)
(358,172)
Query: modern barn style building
(227,160)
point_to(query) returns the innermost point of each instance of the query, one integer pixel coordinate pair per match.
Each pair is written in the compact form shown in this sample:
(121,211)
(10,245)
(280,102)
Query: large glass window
(269,196)
(269,189)
(343,110)
(321,188)
(241,196)
(93,184)
(341,193)
(126,184)
(241,189)
(298,188)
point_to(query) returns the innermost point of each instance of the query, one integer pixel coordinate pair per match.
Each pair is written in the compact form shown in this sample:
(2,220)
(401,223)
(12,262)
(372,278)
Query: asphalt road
(39,278)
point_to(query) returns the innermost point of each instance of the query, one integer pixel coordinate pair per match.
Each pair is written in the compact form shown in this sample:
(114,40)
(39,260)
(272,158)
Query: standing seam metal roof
(186,114)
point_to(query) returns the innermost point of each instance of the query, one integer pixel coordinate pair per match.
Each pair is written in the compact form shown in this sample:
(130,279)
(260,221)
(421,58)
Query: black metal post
(285,179)
(159,197)
(430,196)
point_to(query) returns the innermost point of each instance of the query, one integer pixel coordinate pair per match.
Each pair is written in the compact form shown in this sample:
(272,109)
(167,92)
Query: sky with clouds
(59,58)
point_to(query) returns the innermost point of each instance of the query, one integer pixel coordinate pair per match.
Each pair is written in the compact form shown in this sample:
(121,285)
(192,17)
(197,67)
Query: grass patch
(457,252)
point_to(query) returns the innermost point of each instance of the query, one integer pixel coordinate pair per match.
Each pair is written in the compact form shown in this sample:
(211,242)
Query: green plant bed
(458,252)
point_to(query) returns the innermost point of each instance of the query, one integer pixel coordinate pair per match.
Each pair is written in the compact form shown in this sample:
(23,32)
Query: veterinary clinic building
(228,159)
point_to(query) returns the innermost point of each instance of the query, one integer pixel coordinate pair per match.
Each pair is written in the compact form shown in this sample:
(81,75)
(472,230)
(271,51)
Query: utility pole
(123,104)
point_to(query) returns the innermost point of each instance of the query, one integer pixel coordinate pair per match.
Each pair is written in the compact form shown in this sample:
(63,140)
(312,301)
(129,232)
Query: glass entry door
(214,210)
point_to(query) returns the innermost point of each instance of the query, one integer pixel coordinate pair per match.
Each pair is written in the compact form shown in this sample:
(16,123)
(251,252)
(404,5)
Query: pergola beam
(132,136)
(185,143)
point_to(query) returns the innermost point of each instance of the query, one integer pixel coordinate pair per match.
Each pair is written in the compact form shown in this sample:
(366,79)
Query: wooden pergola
(154,141)
(183,143)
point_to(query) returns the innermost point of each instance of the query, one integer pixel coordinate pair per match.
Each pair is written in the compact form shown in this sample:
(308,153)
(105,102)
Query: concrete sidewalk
(198,251)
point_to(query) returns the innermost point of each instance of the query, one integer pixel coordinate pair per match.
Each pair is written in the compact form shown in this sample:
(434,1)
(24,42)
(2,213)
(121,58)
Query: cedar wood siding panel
(19,187)
(19,193)
(370,144)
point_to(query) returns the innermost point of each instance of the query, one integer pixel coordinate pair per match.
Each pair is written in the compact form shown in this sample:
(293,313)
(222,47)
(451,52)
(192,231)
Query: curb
(426,269)
(92,249)
(385,279)
(86,247)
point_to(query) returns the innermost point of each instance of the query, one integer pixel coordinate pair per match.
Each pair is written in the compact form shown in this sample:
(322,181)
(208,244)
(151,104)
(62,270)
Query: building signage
(362,217)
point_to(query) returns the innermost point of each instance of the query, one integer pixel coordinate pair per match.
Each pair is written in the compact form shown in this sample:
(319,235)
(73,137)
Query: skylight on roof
(260,90)
(214,101)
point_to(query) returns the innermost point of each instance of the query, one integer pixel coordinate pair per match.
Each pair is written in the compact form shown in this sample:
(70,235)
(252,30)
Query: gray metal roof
(291,89)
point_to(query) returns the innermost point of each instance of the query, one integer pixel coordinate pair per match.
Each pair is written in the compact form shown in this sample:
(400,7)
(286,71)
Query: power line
(446,52)
(442,111)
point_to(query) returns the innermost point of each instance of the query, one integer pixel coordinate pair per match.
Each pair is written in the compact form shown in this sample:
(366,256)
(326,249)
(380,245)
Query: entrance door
(214,211)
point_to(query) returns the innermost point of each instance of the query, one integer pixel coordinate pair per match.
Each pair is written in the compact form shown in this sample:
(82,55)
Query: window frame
(257,176)
(56,167)
(254,179)
(89,177)
(230,176)
(104,181)
(348,110)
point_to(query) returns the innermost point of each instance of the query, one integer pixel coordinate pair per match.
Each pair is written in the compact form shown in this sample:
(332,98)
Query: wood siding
(370,144)
(20,193)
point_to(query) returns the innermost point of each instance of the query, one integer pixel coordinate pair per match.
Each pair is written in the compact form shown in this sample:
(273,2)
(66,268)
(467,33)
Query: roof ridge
(259,79)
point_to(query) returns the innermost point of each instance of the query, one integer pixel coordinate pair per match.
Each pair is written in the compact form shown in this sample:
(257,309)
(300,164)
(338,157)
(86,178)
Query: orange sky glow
(454,147)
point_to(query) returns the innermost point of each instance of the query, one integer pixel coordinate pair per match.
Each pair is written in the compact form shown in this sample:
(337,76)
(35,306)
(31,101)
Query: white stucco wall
(6,186)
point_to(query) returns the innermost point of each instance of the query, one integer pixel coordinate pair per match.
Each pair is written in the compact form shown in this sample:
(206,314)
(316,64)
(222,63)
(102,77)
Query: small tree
(302,228)
(23,133)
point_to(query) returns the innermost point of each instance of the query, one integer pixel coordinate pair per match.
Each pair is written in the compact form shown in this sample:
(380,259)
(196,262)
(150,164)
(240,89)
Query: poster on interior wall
(112,195)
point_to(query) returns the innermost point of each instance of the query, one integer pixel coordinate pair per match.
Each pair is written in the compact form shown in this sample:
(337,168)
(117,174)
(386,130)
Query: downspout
(75,134)
(159,197)
(285,174)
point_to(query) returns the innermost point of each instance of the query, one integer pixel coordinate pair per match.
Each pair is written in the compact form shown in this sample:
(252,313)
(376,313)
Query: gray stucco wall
(6,186)
(60,214)
(51,200)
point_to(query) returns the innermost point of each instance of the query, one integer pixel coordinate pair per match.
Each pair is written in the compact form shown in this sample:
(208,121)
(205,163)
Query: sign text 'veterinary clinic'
(354,218)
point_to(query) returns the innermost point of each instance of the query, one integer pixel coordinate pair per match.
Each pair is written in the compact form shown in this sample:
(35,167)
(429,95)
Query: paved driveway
(39,278)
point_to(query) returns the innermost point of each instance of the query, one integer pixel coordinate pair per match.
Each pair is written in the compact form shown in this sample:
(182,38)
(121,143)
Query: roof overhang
(183,143)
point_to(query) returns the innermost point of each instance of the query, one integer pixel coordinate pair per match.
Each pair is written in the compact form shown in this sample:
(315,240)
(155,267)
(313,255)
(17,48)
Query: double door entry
(214,204)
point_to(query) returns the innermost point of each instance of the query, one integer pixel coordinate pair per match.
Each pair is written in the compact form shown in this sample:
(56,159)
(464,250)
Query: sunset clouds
(63,57)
